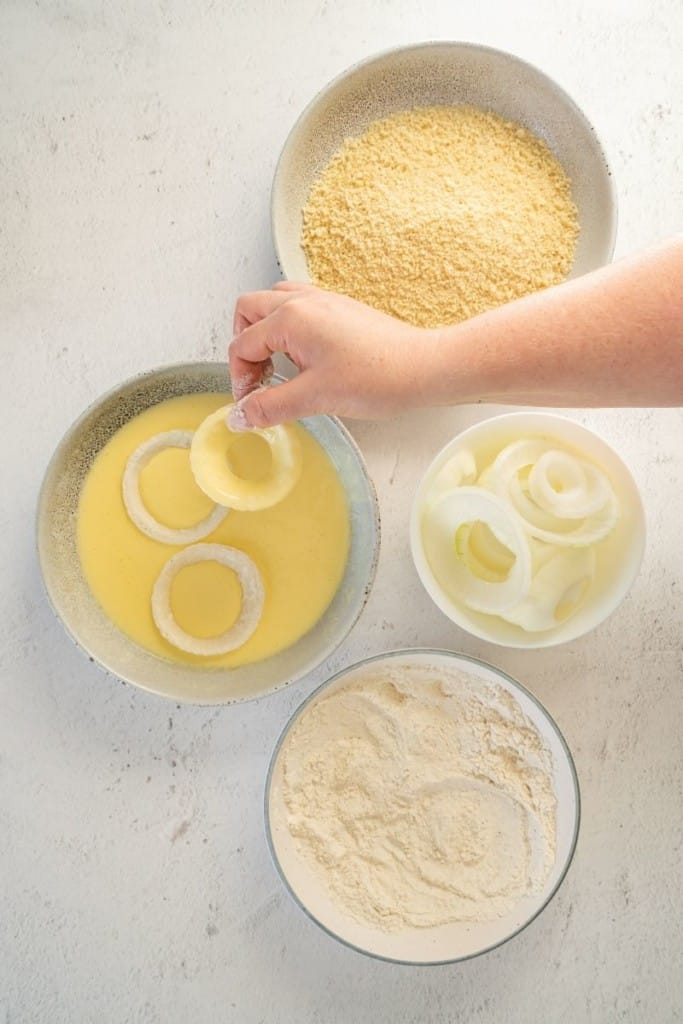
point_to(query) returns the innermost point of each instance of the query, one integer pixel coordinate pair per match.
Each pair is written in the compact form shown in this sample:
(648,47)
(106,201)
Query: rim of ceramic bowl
(387,656)
(102,663)
(428,45)
(547,639)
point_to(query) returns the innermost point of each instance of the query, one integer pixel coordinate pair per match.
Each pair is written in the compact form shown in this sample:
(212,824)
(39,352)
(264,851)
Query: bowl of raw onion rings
(527,530)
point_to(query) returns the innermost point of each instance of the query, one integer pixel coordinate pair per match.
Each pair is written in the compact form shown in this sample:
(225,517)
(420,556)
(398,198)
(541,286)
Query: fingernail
(237,419)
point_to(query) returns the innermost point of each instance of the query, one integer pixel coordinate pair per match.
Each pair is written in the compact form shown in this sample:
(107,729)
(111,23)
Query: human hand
(352,360)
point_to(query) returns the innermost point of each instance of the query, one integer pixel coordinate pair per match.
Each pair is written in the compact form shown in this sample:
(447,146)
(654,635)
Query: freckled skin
(610,338)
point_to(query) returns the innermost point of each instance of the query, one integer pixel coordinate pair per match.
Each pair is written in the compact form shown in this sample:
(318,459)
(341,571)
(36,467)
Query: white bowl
(448,943)
(448,74)
(93,631)
(619,556)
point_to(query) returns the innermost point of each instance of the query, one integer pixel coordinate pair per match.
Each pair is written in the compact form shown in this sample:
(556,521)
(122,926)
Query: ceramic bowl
(619,556)
(448,74)
(82,616)
(446,943)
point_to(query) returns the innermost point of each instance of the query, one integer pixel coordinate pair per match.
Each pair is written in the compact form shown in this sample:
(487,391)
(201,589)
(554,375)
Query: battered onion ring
(135,506)
(250,612)
(213,474)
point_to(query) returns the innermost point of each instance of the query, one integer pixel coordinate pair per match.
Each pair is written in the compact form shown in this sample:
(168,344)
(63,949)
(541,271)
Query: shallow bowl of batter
(318,858)
(444,74)
(94,631)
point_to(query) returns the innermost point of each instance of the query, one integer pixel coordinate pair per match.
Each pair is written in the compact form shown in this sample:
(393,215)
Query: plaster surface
(137,147)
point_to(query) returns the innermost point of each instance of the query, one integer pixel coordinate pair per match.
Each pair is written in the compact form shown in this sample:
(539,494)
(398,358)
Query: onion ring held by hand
(135,507)
(211,468)
(250,612)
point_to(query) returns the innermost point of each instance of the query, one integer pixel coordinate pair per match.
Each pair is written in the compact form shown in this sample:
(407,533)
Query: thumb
(266,407)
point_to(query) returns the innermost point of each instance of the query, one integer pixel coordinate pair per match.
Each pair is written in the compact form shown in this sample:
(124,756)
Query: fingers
(250,353)
(255,306)
(292,286)
(258,375)
(269,406)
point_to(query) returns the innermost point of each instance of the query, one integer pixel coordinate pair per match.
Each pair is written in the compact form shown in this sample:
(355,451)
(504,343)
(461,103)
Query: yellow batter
(300,545)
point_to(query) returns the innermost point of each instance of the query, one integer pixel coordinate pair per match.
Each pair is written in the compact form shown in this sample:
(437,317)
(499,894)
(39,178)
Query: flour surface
(421,798)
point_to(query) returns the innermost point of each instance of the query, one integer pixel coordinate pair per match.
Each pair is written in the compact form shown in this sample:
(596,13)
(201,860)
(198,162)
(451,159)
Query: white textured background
(137,146)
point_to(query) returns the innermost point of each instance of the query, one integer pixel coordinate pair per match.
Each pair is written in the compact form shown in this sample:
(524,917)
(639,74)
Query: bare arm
(610,338)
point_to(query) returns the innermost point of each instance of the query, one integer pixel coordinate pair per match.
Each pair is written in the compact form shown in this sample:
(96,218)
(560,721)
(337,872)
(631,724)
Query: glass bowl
(82,616)
(448,943)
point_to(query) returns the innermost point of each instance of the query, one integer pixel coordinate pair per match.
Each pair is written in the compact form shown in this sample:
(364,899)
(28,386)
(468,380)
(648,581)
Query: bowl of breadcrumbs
(441,180)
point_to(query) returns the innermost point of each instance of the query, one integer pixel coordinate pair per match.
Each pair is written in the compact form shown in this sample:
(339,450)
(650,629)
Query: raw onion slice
(211,468)
(583,490)
(557,590)
(538,522)
(485,479)
(250,612)
(553,530)
(135,507)
(541,553)
(513,459)
(440,525)
(460,469)
(483,553)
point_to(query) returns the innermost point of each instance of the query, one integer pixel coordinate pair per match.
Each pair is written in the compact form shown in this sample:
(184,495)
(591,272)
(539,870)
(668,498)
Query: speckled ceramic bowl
(82,616)
(448,74)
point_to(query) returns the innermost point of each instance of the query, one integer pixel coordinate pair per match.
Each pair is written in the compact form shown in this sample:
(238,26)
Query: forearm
(611,338)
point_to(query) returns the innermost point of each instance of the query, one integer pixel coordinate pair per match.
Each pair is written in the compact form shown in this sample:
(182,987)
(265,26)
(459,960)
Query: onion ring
(483,555)
(460,469)
(213,474)
(557,590)
(538,522)
(587,531)
(135,507)
(585,489)
(440,524)
(250,612)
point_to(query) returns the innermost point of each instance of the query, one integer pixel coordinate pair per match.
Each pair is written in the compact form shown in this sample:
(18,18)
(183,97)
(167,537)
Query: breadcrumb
(439,213)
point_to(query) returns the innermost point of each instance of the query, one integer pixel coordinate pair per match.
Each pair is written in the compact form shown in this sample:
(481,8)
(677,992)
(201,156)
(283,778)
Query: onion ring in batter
(252,600)
(209,463)
(135,507)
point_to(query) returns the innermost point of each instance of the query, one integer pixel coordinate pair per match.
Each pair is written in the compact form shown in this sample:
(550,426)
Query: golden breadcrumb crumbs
(436,214)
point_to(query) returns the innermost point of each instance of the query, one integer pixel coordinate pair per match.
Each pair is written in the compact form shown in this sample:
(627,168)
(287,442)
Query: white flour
(421,799)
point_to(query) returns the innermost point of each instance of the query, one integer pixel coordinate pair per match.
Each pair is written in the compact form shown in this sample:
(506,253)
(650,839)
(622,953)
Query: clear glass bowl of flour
(422,807)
